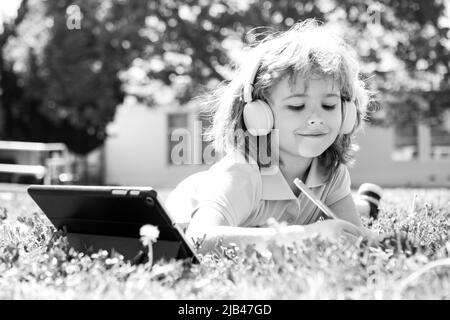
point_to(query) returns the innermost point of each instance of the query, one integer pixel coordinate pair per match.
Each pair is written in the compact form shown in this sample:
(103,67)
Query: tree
(8,80)
(71,86)
(190,41)
(169,51)
(403,44)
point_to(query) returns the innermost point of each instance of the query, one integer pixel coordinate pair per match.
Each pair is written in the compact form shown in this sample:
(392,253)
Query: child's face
(307,115)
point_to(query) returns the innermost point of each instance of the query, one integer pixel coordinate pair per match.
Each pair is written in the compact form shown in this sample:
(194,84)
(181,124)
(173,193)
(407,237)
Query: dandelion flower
(149,234)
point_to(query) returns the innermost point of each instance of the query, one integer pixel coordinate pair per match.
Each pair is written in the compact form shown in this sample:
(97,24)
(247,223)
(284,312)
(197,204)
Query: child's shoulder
(236,165)
(341,169)
(227,171)
(231,185)
(341,178)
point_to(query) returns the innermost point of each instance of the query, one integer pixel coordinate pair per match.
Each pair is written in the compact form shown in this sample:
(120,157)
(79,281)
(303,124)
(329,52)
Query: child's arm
(346,210)
(210,224)
(343,209)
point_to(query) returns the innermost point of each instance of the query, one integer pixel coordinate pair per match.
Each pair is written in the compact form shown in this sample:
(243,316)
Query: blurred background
(90,91)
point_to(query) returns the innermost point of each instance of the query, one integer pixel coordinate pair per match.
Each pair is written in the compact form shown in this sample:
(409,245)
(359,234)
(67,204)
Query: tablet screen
(111,217)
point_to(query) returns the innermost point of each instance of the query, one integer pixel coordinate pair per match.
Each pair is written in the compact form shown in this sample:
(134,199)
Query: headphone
(258,116)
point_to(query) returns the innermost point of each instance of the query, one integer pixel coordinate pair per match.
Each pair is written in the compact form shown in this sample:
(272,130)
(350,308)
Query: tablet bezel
(43,194)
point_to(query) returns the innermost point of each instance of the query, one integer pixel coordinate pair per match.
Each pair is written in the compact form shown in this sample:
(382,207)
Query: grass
(413,263)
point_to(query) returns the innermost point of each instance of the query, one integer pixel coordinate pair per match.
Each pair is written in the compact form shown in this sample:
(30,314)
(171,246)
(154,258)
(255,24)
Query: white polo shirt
(248,198)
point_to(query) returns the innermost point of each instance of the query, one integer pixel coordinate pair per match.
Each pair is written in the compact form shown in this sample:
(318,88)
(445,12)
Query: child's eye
(328,107)
(296,108)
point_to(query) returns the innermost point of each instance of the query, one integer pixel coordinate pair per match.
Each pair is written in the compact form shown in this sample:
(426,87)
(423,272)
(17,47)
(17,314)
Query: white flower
(149,234)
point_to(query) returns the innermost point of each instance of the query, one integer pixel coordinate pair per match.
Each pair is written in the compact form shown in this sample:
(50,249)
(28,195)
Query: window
(406,142)
(440,141)
(427,142)
(175,121)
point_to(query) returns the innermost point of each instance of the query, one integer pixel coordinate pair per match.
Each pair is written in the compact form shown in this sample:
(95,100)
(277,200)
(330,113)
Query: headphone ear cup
(258,118)
(349,114)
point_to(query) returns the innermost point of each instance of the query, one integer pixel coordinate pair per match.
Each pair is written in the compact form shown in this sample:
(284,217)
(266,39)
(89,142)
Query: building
(140,148)
(384,159)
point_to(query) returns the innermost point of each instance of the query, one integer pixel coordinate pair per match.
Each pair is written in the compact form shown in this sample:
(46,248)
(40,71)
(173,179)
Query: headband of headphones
(255,60)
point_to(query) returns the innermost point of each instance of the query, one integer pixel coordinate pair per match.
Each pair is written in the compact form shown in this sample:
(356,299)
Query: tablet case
(110,217)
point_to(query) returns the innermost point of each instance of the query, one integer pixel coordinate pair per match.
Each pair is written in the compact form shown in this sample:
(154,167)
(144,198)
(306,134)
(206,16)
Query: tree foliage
(66,85)
(70,86)
(8,79)
(192,42)
(404,46)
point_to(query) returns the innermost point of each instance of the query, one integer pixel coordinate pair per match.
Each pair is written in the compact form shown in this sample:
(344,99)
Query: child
(300,94)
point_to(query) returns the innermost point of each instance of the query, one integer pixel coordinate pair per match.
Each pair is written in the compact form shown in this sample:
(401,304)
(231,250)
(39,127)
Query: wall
(136,153)
(374,163)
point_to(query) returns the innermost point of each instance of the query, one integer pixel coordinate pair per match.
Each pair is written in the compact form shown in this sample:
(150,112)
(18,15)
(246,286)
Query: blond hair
(307,49)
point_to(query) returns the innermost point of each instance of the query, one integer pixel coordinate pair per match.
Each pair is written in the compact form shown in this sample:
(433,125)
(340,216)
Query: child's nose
(315,119)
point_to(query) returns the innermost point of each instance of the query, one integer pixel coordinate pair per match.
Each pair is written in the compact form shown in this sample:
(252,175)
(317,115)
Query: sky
(8,9)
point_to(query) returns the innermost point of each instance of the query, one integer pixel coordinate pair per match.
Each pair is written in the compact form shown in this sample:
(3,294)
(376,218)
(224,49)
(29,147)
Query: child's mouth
(316,135)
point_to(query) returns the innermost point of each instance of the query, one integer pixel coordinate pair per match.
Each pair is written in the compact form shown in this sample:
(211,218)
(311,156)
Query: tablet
(102,217)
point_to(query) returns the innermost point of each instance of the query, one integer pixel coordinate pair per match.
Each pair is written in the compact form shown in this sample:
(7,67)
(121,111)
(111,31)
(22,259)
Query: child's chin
(309,153)
(312,149)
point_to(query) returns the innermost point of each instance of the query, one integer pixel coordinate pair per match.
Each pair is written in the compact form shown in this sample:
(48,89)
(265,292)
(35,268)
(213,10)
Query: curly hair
(307,49)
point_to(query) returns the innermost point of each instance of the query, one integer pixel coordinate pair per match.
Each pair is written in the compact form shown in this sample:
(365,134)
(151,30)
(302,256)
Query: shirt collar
(275,186)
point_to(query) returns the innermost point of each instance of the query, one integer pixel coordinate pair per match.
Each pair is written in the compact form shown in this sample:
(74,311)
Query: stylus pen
(322,206)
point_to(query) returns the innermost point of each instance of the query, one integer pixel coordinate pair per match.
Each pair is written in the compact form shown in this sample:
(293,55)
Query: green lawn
(412,265)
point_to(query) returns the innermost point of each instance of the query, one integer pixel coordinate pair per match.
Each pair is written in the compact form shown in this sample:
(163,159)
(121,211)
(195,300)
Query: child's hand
(334,229)
(372,236)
